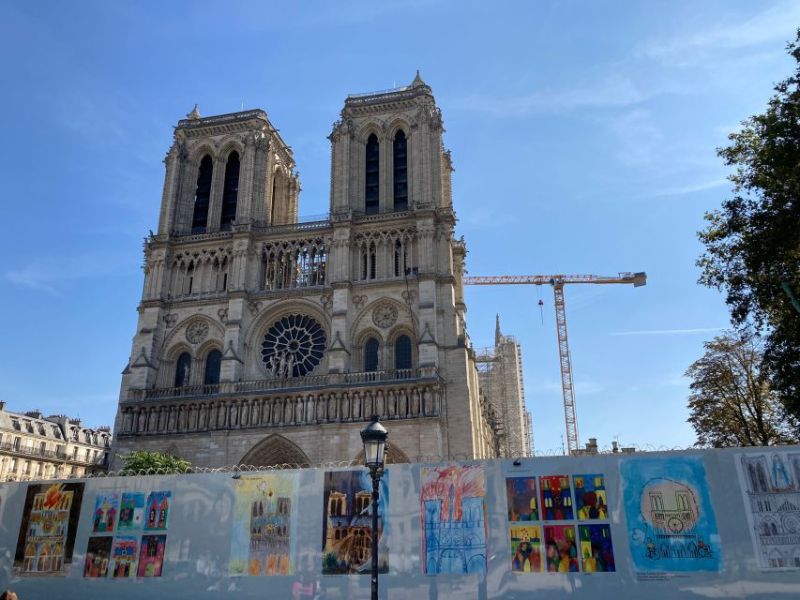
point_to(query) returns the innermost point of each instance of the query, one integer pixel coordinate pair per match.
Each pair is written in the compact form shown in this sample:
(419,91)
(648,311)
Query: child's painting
(526,548)
(347,523)
(98,557)
(597,552)
(561,549)
(124,556)
(157,511)
(521,499)
(590,497)
(454,519)
(48,528)
(106,509)
(671,522)
(556,498)
(264,524)
(151,555)
(131,511)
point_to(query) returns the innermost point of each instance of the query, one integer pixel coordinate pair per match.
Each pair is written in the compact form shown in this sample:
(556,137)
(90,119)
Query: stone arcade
(264,340)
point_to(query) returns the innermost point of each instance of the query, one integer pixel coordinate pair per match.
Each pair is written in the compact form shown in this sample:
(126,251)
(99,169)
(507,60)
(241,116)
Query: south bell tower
(264,340)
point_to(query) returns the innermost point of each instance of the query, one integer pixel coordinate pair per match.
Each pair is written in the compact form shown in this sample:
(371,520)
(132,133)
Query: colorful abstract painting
(526,548)
(347,523)
(151,555)
(671,522)
(47,531)
(453,505)
(157,511)
(561,549)
(98,557)
(521,499)
(124,556)
(556,498)
(770,483)
(106,509)
(590,496)
(597,552)
(264,522)
(131,511)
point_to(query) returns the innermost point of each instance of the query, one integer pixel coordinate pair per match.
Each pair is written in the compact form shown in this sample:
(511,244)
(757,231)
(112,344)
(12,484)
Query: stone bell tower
(265,340)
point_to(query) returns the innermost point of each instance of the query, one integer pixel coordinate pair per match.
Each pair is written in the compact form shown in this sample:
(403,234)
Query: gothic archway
(394,456)
(275,450)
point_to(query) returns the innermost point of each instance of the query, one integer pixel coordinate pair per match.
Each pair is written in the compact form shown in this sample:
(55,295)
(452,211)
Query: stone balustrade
(333,398)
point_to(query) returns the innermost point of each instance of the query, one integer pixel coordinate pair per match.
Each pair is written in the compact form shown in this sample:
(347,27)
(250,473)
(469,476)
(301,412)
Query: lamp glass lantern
(374,438)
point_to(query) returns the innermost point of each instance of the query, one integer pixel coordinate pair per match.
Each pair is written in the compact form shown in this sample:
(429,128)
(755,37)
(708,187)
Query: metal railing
(285,383)
(51,454)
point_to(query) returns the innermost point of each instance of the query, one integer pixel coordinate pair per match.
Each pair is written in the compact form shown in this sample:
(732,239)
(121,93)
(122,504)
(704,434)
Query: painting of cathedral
(124,556)
(770,483)
(671,523)
(597,551)
(454,522)
(347,523)
(98,557)
(526,548)
(48,528)
(157,511)
(106,508)
(263,525)
(131,511)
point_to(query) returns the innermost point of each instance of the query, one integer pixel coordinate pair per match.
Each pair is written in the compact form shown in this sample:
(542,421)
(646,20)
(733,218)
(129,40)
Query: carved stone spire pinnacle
(497,334)
(417,80)
(194,115)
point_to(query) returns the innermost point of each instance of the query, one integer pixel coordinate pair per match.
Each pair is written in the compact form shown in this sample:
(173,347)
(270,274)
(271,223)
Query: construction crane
(558,282)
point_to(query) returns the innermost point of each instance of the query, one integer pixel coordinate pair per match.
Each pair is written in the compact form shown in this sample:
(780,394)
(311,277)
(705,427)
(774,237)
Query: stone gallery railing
(334,398)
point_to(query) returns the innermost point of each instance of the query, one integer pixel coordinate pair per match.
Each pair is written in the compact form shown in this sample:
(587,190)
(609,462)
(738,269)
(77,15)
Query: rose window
(293,346)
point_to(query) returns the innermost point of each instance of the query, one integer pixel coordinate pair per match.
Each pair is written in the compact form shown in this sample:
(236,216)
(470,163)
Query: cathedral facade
(264,340)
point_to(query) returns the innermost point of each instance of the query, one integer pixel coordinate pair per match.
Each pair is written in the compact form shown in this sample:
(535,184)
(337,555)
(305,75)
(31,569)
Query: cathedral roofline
(417,88)
(194,122)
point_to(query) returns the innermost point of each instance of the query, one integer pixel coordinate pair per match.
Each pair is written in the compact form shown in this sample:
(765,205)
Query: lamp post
(374,438)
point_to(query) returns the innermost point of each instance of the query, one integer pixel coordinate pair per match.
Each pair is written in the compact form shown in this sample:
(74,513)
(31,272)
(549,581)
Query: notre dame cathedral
(264,340)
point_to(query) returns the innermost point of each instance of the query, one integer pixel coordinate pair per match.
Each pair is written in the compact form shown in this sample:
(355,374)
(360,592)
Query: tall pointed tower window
(230,190)
(213,364)
(402,352)
(202,195)
(400,154)
(372,179)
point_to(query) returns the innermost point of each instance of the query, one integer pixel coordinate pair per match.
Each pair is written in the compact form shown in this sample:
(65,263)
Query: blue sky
(583,136)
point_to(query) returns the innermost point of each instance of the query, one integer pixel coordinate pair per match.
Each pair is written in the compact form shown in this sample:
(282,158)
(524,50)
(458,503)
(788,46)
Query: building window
(400,156)
(230,190)
(372,179)
(17,442)
(371,349)
(213,364)
(15,424)
(202,195)
(293,346)
(402,352)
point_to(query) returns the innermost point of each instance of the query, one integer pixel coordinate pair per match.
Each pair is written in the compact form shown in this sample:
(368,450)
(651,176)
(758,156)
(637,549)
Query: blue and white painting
(671,522)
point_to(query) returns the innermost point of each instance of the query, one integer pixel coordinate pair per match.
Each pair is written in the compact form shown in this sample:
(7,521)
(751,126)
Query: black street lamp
(374,438)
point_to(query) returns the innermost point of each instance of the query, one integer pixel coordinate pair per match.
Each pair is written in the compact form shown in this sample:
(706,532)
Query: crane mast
(565,361)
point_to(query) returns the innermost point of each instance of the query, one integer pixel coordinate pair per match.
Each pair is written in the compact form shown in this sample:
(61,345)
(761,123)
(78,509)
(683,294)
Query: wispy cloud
(775,23)
(49,276)
(692,187)
(610,91)
(668,331)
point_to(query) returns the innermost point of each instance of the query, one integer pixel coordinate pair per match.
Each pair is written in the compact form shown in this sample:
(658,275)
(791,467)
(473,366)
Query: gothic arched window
(372,179)
(213,364)
(371,349)
(230,190)
(202,195)
(400,156)
(183,370)
(402,352)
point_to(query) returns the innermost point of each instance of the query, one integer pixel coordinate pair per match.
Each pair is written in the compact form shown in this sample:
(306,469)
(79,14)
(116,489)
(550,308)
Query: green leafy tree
(752,243)
(144,461)
(731,403)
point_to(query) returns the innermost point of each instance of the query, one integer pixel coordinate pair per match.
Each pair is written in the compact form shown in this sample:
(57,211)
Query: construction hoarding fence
(694,524)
